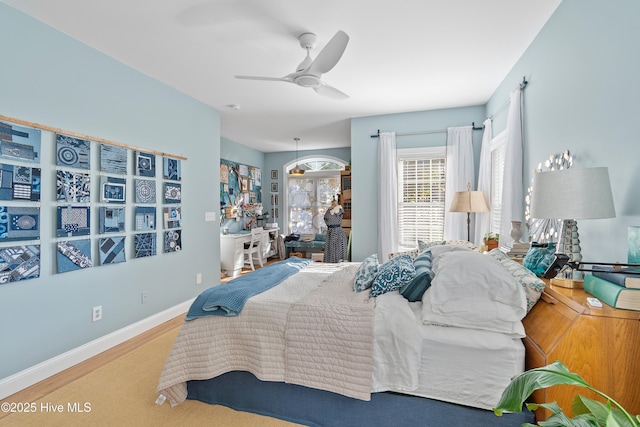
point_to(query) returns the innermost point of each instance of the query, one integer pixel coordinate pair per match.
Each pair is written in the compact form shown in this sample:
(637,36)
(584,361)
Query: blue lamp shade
(572,194)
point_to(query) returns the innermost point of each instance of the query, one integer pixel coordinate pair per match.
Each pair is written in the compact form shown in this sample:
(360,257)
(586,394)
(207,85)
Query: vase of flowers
(491,240)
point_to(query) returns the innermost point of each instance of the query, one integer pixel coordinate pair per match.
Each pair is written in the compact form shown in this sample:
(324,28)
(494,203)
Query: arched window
(308,196)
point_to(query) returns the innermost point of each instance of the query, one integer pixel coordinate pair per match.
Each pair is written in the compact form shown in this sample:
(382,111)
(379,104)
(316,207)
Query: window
(498,149)
(309,195)
(421,186)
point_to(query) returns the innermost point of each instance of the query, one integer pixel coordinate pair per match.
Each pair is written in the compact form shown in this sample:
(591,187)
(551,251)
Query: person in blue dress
(335,249)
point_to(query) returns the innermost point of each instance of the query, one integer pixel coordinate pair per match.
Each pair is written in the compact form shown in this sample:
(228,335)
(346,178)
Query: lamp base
(567,283)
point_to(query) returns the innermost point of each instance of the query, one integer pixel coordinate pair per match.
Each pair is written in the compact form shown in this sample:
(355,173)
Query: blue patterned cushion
(393,275)
(533,286)
(366,273)
(422,280)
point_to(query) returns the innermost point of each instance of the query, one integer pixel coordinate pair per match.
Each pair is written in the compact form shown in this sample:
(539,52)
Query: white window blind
(421,185)
(498,149)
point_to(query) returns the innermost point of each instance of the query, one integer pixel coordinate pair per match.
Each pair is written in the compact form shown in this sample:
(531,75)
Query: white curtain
(458,175)
(483,219)
(387,196)
(512,189)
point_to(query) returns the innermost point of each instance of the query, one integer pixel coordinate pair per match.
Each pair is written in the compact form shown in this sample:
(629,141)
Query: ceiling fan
(309,72)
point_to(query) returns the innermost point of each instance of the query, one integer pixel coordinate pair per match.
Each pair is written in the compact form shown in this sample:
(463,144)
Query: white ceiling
(403,55)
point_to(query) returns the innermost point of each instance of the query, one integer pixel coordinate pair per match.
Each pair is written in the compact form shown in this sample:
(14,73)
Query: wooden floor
(41,389)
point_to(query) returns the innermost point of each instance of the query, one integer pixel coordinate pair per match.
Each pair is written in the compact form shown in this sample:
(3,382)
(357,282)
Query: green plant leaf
(527,382)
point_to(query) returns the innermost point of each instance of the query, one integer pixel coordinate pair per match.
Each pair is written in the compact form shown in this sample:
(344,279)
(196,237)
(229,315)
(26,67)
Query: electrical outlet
(96,313)
(209,216)
(198,278)
(144,297)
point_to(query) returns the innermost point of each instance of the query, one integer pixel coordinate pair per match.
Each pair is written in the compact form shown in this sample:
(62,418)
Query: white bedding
(458,365)
(463,366)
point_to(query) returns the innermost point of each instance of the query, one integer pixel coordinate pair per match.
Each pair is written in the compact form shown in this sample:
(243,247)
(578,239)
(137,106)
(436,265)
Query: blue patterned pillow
(393,275)
(366,273)
(422,280)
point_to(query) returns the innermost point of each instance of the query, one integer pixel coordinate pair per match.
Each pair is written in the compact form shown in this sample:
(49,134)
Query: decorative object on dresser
(469,201)
(611,293)
(600,343)
(544,230)
(572,194)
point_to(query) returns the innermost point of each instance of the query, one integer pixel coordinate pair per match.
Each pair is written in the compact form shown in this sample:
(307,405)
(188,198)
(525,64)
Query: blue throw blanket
(229,299)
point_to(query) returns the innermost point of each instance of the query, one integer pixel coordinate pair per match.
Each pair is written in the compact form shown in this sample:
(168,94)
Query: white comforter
(260,339)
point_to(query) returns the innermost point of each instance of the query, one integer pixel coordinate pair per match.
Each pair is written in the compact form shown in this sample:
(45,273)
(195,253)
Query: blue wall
(583,96)
(364,152)
(51,79)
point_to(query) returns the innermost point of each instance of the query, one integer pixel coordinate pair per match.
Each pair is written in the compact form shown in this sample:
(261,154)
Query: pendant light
(297,171)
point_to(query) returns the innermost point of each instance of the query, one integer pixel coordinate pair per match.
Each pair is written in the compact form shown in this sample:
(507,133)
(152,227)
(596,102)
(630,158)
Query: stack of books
(620,289)
(517,250)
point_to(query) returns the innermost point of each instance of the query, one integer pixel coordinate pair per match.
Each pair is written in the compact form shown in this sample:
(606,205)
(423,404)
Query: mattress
(463,366)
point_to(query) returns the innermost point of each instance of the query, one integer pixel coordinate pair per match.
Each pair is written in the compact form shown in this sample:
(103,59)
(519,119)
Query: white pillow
(514,329)
(474,286)
(441,249)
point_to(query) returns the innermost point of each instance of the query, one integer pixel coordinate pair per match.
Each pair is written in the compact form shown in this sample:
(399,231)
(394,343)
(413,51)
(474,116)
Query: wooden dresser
(602,345)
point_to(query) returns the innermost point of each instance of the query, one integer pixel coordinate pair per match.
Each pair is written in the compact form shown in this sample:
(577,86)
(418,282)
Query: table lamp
(469,201)
(572,194)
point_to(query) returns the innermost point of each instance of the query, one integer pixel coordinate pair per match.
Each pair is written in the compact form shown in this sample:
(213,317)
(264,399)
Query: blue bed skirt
(244,392)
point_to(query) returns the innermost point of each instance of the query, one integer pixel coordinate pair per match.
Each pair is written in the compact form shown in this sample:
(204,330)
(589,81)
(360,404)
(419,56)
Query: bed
(318,348)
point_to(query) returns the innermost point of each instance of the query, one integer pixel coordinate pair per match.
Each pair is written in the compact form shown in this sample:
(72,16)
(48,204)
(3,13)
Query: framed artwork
(73,187)
(243,170)
(113,159)
(257,177)
(172,193)
(173,241)
(73,221)
(144,245)
(19,263)
(224,173)
(145,218)
(20,143)
(73,152)
(19,223)
(634,245)
(73,255)
(172,217)
(112,190)
(145,164)
(274,174)
(274,187)
(19,183)
(145,191)
(111,220)
(111,250)
(171,169)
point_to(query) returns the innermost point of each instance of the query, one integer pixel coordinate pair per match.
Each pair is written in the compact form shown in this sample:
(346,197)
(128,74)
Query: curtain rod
(523,86)
(426,132)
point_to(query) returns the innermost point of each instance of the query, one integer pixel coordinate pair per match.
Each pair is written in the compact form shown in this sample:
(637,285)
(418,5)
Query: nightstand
(602,345)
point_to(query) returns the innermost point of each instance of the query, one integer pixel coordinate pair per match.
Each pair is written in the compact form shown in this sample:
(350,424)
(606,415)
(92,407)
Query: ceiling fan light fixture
(307,80)
(297,171)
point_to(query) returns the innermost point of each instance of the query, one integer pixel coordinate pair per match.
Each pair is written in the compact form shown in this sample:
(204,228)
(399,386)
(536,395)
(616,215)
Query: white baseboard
(30,376)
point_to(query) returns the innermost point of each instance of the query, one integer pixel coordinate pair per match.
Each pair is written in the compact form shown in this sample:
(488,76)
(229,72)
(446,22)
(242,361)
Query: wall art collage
(80,192)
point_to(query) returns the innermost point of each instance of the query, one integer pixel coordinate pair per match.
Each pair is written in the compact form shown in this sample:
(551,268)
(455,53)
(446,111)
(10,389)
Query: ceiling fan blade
(330,54)
(275,79)
(330,92)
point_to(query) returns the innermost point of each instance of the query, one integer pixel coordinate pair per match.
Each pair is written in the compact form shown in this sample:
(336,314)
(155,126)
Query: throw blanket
(257,339)
(329,338)
(229,299)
